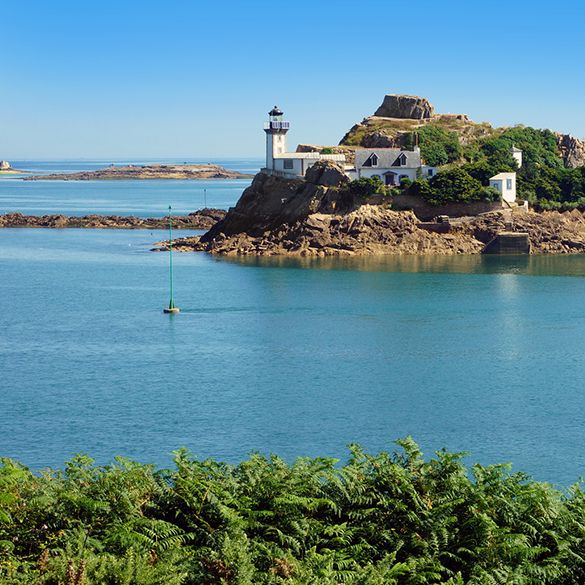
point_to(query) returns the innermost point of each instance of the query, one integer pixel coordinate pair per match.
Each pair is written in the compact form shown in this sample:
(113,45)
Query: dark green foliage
(543,180)
(327,150)
(379,519)
(451,186)
(438,146)
(365,187)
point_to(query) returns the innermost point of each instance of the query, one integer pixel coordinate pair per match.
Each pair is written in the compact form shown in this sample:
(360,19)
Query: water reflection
(536,265)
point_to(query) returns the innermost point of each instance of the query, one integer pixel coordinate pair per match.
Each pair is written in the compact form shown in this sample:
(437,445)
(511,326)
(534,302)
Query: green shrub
(365,187)
(438,146)
(379,519)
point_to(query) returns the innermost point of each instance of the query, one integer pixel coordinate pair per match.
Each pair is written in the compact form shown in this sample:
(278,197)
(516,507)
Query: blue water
(141,198)
(298,358)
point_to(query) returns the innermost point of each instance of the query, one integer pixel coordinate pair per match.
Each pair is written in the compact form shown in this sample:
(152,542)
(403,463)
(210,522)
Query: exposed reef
(203,219)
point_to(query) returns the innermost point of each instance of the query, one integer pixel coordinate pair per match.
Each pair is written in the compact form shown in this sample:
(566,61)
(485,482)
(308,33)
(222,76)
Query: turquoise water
(299,358)
(141,198)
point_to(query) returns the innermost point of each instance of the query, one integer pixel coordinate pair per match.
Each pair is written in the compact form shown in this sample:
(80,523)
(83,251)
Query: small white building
(505,183)
(517,156)
(391,165)
(279,162)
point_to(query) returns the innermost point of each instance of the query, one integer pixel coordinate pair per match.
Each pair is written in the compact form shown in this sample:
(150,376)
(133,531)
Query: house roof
(502,176)
(310,155)
(387,157)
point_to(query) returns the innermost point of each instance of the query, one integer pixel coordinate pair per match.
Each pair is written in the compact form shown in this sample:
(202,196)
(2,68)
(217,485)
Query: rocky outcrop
(5,165)
(572,150)
(405,106)
(272,201)
(203,219)
(376,230)
(154,171)
(369,230)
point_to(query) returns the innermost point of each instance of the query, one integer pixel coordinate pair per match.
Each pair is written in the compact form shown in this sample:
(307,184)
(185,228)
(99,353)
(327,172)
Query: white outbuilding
(505,183)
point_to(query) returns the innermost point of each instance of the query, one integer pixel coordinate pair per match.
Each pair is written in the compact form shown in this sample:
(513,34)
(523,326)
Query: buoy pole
(171,308)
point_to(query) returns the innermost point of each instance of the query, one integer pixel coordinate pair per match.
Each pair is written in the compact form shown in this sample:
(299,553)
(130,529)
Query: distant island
(6,168)
(146,172)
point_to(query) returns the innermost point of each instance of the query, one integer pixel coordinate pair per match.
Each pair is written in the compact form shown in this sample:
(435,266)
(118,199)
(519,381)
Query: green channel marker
(171,308)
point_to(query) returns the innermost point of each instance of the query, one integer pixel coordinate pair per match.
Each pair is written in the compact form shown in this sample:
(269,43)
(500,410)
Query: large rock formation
(399,116)
(4,165)
(572,150)
(405,106)
(271,201)
(376,230)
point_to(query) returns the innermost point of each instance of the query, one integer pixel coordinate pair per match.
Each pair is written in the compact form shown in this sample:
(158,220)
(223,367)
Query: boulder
(4,165)
(327,173)
(572,150)
(405,106)
(379,139)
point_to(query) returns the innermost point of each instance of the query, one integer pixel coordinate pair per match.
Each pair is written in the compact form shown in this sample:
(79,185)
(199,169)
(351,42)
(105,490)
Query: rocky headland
(145,172)
(398,118)
(203,219)
(319,217)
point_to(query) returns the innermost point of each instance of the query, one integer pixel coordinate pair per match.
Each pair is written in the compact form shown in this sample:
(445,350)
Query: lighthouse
(276,129)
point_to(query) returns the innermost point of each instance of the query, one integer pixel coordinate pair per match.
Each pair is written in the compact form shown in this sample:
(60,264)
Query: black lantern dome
(275,111)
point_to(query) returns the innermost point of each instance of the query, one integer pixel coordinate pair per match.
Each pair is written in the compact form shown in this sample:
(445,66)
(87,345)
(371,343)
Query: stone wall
(424,211)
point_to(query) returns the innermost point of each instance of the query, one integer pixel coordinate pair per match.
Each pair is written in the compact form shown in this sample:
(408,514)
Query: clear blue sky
(195,78)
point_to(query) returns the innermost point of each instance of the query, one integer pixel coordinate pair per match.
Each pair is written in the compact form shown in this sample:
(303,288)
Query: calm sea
(141,198)
(482,354)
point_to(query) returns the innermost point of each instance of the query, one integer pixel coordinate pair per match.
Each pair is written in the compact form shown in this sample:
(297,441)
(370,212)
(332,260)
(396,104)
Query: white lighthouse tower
(276,129)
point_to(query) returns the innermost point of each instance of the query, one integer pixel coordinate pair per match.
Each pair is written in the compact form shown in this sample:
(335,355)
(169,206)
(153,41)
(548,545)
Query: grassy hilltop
(552,175)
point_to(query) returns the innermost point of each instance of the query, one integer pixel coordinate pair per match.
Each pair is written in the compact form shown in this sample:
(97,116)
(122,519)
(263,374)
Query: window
(372,160)
(509,184)
(400,161)
(429,172)
(288,163)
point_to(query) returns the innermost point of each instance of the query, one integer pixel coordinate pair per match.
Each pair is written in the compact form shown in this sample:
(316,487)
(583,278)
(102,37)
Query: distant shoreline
(147,172)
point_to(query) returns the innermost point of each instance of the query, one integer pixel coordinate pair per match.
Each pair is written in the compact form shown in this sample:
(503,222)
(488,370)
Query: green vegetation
(482,152)
(379,519)
(365,187)
(542,179)
(453,185)
(438,146)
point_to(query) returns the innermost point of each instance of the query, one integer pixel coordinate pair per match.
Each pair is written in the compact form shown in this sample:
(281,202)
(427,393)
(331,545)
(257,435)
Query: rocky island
(146,172)
(326,213)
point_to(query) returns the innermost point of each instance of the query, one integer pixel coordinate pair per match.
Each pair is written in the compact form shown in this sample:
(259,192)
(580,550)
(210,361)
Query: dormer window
(400,161)
(372,160)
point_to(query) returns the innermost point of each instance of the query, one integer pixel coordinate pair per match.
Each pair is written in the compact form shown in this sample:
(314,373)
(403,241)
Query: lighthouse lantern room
(276,129)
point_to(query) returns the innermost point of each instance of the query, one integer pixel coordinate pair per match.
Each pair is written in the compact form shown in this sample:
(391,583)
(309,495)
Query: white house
(391,165)
(505,183)
(288,164)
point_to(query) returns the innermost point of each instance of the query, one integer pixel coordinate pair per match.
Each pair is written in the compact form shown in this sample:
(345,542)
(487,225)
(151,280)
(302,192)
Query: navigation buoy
(171,308)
